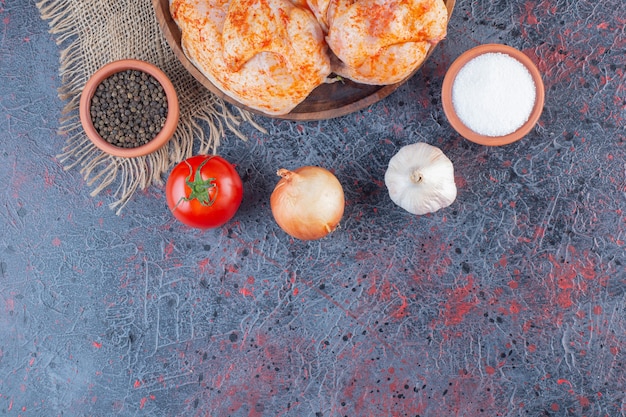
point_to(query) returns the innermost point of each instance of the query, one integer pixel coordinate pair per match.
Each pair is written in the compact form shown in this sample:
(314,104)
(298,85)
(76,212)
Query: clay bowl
(325,102)
(162,137)
(455,121)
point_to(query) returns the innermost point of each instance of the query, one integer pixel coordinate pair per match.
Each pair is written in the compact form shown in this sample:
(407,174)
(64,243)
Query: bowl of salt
(493,95)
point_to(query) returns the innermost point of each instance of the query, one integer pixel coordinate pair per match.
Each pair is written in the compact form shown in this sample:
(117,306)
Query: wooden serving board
(325,102)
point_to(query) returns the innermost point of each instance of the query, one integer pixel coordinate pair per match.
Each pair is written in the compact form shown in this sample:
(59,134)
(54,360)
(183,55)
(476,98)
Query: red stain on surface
(562,381)
(97,345)
(385,290)
(56,242)
(564,299)
(373,288)
(555,66)
(460,182)
(539,232)
(565,275)
(169,249)
(400,312)
(529,16)
(361,402)
(203,265)
(246,292)
(458,305)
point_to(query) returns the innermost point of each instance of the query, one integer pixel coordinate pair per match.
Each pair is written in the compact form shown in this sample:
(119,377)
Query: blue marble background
(510,302)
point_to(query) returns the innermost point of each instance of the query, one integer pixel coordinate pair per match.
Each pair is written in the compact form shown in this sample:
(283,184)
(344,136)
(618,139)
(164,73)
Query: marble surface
(510,302)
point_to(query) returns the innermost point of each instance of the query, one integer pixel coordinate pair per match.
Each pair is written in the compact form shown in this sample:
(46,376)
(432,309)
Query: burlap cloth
(92,33)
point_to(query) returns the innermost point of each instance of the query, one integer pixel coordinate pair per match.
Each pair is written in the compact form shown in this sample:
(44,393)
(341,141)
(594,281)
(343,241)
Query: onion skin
(308,202)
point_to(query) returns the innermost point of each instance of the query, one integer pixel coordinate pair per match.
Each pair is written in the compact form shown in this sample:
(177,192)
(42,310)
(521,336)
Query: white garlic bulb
(420,179)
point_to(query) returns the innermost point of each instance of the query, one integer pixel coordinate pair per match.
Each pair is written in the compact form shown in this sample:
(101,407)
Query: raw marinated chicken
(383,41)
(320,10)
(268,55)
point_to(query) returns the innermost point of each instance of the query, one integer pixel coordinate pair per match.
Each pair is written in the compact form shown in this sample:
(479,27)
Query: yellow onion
(307,202)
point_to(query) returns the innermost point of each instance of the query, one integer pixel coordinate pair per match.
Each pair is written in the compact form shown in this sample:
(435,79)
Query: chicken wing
(383,41)
(266,54)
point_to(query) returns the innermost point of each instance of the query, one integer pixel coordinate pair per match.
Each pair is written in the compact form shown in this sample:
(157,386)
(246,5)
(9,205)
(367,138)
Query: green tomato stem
(200,189)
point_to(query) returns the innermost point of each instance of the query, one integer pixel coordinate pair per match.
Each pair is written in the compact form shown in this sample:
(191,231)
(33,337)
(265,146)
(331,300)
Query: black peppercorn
(129,108)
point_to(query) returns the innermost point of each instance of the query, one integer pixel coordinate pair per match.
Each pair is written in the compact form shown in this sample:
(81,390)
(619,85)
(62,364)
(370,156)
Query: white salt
(493,94)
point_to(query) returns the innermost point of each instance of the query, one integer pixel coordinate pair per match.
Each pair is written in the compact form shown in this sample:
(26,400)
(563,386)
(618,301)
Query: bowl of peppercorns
(129,108)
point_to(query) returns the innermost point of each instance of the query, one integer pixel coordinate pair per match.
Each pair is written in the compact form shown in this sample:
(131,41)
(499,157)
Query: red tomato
(204,191)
